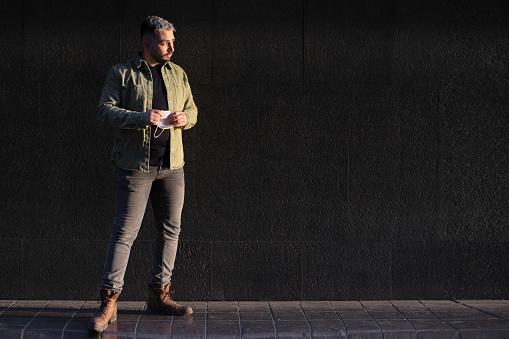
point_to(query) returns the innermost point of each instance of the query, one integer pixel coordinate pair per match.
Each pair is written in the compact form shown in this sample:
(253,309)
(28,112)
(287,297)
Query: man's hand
(179,119)
(152,117)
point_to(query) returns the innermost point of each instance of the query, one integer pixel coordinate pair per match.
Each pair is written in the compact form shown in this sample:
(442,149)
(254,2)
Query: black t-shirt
(159,101)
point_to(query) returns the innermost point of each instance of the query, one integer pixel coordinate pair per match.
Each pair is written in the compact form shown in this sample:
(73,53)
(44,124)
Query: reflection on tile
(154,327)
(198,316)
(188,329)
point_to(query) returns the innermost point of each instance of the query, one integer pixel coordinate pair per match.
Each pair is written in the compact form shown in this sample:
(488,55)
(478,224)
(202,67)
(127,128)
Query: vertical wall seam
(303,41)
(438,201)
(22,270)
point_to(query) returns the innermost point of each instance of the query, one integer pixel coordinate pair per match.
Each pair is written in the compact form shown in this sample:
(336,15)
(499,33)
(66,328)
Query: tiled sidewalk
(289,319)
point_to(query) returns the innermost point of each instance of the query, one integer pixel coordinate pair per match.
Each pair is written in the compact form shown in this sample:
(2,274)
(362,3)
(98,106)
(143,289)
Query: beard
(160,57)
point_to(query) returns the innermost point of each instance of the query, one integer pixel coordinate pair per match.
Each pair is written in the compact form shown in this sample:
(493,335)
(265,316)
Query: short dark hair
(153,24)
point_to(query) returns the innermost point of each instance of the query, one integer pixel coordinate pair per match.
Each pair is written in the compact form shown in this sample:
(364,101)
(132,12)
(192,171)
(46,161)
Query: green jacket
(127,95)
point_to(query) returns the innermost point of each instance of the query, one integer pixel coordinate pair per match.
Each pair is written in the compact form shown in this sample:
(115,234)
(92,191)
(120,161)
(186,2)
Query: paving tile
(430,325)
(11,333)
(188,328)
(316,306)
(396,325)
(386,315)
(292,329)
(42,333)
(222,329)
(287,311)
(419,315)
(360,324)
(317,315)
(148,328)
(289,315)
(347,306)
(122,327)
(48,323)
(485,334)
(198,316)
(408,305)
(6,303)
(479,324)
(77,324)
(381,305)
(65,304)
(285,305)
(254,307)
(430,334)
(223,316)
(363,334)
(444,305)
(131,305)
(222,306)
(82,334)
(327,328)
(256,315)
(473,315)
(481,304)
(197,306)
(257,329)
(354,315)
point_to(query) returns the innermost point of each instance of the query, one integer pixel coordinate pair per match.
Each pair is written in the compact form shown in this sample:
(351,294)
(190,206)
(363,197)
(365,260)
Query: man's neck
(149,60)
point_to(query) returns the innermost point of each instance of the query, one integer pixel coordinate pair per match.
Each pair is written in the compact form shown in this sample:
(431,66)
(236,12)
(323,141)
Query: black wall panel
(344,149)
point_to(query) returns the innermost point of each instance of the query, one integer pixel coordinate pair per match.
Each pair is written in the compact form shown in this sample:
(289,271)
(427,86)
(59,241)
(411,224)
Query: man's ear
(146,44)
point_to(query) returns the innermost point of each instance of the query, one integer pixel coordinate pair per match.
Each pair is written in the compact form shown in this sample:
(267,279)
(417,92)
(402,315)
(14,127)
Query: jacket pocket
(180,96)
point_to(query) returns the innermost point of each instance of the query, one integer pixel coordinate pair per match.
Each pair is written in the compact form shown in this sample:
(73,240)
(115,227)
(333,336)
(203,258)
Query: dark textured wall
(344,149)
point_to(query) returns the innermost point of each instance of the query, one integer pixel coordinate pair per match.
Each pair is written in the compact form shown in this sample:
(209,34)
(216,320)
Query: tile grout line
(240,321)
(139,318)
(67,324)
(342,322)
(171,326)
(446,323)
(14,303)
(307,320)
(273,319)
(35,316)
(397,309)
(376,322)
(206,317)
(477,309)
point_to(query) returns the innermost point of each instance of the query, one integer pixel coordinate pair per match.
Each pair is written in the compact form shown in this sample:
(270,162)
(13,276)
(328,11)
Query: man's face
(161,46)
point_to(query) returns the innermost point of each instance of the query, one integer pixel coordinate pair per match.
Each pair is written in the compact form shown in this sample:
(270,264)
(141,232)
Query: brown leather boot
(159,301)
(107,312)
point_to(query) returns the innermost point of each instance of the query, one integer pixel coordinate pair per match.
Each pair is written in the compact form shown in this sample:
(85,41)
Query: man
(149,163)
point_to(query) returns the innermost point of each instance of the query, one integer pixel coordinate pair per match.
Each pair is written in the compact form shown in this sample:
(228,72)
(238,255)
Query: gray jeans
(165,188)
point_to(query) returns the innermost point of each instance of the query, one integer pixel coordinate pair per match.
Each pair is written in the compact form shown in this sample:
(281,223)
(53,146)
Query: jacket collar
(138,61)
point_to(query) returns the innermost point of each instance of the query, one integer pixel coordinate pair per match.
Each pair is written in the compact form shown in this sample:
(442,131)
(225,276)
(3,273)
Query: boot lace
(168,298)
